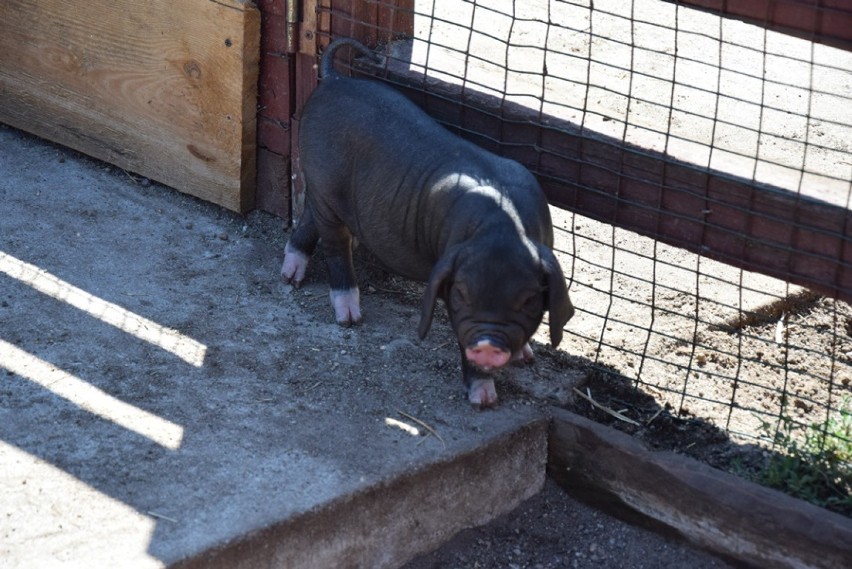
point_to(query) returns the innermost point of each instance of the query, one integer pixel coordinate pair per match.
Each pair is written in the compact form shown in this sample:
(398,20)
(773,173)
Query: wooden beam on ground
(716,510)
(164,89)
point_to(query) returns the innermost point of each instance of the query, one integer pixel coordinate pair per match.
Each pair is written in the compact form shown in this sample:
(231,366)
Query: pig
(431,207)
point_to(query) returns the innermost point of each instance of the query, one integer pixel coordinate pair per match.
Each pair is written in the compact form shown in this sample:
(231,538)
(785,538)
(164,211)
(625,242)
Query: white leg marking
(524,356)
(294,267)
(482,393)
(347,306)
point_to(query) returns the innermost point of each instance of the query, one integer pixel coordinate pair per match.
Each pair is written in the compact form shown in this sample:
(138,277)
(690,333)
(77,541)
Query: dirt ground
(697,356)
(711,347)
(552,530)
(694,355)
(672,384)
(715,352)
(705,369)
(292,347)
(618,336)
(718,355)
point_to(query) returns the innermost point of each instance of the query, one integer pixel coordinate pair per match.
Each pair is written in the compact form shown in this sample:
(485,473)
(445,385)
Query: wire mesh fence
(685,90)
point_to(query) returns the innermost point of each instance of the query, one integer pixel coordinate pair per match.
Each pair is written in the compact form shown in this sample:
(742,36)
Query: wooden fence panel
(164,89)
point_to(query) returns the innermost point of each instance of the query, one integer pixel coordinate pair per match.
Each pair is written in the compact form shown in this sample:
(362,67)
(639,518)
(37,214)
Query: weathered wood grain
(739,519)
(164,89)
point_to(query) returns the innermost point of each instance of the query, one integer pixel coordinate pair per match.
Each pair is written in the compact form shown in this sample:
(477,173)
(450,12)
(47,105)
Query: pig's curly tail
(326,67)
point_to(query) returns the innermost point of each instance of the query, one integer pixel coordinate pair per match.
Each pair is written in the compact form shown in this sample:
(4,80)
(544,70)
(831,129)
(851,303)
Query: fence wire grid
(737,348)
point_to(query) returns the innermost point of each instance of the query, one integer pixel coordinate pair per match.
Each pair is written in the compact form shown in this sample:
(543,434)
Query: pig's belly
(389,238)
(400,258)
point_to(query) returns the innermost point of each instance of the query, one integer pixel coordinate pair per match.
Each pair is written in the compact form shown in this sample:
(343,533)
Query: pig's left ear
(558,304)
(441,274)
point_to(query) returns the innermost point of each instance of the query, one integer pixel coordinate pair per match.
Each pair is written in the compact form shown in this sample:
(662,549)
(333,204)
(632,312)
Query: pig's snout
(487,353)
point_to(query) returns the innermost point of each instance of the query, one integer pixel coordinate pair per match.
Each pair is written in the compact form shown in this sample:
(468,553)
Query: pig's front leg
(524,356)
(344,295)
(299,249)
(482,394)
(480,385)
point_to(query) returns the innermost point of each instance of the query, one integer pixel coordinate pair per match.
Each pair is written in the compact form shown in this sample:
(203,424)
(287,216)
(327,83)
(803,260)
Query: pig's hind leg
(344,295)
(299,248)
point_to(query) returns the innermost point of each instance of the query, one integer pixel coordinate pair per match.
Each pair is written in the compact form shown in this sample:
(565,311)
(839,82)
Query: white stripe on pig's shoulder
(474,186)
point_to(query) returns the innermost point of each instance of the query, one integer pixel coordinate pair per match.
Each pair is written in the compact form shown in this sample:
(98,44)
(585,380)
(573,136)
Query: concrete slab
(162,396)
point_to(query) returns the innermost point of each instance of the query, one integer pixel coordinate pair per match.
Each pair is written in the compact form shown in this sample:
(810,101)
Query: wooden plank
(396,18)
(308,28)
(273,183)
(827,21)
(739,519)
(371,22)
(756,227)
(306,82)
(164,89)
(387,523)
(275,107)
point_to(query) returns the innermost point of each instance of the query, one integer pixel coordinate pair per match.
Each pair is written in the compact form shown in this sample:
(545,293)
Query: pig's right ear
(439,279)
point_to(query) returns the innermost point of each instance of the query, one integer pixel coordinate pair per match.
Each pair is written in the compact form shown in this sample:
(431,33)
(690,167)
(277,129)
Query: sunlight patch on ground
(89,397)
(47,513)
(182,346)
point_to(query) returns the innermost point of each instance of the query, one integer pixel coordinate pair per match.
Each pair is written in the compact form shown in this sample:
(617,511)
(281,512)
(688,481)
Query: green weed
(814,462)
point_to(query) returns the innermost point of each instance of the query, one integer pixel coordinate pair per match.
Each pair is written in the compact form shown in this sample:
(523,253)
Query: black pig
(431,207)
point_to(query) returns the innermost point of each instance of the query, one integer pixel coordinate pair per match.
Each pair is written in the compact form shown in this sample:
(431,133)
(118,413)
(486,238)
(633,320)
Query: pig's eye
(532,303)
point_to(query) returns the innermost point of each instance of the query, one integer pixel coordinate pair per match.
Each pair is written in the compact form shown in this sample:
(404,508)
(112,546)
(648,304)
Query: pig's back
(347,116)
(374,158)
